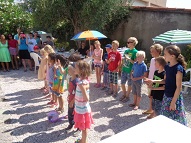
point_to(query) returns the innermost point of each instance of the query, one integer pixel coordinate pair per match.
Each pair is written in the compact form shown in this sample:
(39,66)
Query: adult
(49,41)
(31,42)
(38,40)
(23,51)
(16,37)
(83,49)
(4,53)
(13,49)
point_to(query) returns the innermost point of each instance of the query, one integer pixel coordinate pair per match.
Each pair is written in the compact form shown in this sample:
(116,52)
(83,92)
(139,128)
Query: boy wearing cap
(105,68)
(129,57)
(114,61)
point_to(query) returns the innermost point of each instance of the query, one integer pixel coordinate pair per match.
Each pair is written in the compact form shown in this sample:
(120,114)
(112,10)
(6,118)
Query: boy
(139,71)
(156,51)
(114,61)
(71,96)
(129,59)
(105,67)
(157,90)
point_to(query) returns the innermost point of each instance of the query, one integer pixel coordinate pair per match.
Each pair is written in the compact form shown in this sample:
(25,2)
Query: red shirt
(72,89)
(12,43)
(115,59)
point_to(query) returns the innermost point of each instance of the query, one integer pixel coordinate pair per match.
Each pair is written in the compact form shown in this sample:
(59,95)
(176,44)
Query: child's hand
(71,105)
(148,81)
(172,106)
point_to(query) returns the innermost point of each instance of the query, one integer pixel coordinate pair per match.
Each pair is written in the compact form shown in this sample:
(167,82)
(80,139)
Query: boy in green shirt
(129,58)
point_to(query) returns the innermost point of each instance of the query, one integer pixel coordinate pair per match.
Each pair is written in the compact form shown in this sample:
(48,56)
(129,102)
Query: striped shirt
(81,106)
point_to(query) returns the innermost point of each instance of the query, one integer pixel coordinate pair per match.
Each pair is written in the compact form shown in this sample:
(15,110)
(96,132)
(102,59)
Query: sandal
(147,112)
(77,141)
(59,110)
(131,105)
(123,97)
(136,107)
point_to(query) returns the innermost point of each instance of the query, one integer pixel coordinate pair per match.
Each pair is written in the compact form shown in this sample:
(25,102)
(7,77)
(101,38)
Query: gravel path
(23,113)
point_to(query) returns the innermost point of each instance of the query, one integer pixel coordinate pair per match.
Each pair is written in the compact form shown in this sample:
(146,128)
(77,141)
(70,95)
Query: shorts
(113,77)
(57,94)
(24,54)
(136,88)
(105,77)
(156,105)
(126,77)
(50,87)
(97,65)
(13,51)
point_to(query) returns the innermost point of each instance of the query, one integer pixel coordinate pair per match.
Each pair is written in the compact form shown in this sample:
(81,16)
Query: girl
(82,111)
(58,84)
(97,56)
(172,104)
(42,67)
(13,49)
(4,53)
(49,50)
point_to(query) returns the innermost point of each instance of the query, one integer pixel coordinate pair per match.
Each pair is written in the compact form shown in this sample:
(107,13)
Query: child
(114,61)
(71,96)
(97,56)
(139,71)
(51,73)
(157,90)
(129,59)
(172,104)
(82,117)
(105,67)
(58,84)
(156,51)
(42,67)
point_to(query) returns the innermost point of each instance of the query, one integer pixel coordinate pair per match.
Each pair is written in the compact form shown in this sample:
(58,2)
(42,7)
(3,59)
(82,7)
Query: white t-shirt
(152,68)
(31,44)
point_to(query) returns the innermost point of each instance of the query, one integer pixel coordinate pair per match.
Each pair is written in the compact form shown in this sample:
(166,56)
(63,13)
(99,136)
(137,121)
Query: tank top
(4,45)
(97,53)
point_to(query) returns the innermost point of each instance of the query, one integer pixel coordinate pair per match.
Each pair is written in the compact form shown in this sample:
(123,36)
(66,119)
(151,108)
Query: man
(83,49)
(49,41)
(31,42)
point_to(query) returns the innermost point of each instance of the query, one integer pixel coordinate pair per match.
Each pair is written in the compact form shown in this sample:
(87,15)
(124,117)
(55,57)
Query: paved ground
(24,114)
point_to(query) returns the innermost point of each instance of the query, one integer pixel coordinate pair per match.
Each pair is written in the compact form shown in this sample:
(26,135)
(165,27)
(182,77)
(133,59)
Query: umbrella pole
(89,47)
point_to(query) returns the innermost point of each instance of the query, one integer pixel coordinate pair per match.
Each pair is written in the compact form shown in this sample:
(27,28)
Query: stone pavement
(24,112)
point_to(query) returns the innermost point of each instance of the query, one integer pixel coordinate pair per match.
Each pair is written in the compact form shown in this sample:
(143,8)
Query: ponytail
(181,60)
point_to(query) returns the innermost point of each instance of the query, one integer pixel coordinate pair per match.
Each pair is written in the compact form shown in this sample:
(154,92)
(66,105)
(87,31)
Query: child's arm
(179,76)
(59,84)
(83,90)
(158,88)
(141,77)
(150,81)
(71,104)
(62,71)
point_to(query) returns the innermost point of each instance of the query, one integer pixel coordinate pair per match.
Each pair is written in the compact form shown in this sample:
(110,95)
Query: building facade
(149,3)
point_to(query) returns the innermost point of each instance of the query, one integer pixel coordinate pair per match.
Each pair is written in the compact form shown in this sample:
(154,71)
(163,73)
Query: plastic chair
(187,83)
(36,58)
(89,61)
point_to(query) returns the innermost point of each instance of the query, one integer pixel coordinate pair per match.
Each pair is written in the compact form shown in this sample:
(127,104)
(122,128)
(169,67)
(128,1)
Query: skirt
(83,121)
(4,55)
(177,115)
(13,51)
(24,54)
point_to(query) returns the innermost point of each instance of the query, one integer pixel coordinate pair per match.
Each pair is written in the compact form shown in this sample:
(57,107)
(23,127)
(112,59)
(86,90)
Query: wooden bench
(187,84)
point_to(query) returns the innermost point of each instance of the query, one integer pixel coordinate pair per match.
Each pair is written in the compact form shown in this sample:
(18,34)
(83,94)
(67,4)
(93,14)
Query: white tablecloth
(157,130)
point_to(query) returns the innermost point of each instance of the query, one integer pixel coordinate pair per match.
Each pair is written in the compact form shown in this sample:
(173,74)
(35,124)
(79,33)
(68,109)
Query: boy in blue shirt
(139,71)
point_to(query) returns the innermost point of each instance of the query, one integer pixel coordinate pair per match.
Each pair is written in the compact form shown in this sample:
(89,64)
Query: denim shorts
(113,77)
(156,105)
(105,77)
(57,94)
(136,88)
(97,65)
(126,77)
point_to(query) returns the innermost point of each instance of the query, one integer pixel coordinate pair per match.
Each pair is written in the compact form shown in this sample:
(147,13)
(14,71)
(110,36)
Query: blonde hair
(43,52)
(97,42)
(158,48)
(140,53)
(134,40)
(84,69)
(49,49)
(161,60)
(115,42)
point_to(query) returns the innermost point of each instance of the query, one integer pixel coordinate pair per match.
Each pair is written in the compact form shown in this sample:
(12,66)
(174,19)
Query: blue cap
(108,46)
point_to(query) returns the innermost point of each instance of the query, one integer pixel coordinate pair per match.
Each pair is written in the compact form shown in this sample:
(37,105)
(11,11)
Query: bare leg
(135,99)
(16,62)
(99,75)
(128,90)
(29,63)
(138,101)
(3,66)
(111,86)
(115,88)
(7,65)
(123,89)
(96,69)
(61,102)
(24,64)
(12,61)
(84,136)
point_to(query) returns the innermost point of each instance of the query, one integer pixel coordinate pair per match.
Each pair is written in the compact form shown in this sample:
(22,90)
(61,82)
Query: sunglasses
(129,42)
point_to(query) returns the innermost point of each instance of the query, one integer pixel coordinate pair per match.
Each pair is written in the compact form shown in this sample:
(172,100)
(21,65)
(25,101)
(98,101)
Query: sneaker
(69,128)
(77,133)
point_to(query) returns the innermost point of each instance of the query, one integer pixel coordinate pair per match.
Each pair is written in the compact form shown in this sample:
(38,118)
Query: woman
(4,53)
(13,49)
(23,51)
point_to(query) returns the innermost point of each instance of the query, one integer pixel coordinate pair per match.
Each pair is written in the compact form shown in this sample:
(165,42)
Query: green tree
(12,16)
(79,15)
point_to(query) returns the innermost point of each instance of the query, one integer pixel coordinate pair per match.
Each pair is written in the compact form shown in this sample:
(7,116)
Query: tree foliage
(76,15)
(12,16)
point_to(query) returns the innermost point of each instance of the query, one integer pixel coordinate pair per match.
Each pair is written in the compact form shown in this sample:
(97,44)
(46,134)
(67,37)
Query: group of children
(163,78)
(53,70)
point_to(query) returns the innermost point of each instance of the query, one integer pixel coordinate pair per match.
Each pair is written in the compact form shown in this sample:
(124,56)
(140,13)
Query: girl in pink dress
(97,56)
(82,111)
